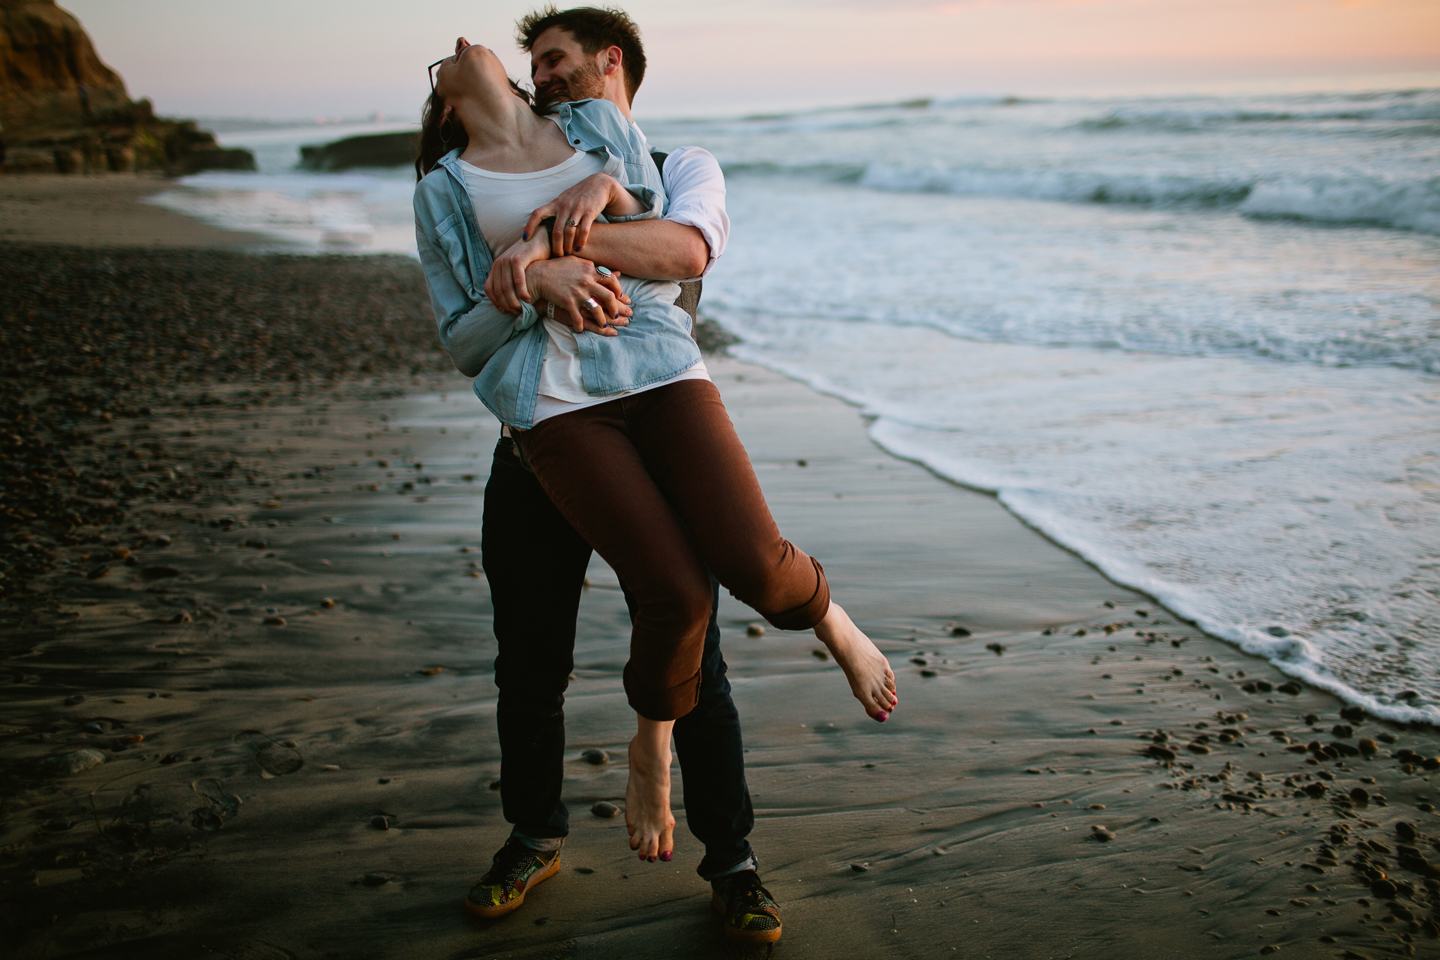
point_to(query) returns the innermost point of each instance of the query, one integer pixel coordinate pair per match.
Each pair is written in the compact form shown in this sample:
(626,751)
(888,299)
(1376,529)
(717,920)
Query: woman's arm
(470,331)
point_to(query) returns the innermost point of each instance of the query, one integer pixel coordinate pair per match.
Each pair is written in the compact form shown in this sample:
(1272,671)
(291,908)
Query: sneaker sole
(745,936)
(490,913)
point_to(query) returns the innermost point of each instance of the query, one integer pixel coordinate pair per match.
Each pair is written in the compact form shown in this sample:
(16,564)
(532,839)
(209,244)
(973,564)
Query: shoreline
(242,819)
(107,210)
(1305,673)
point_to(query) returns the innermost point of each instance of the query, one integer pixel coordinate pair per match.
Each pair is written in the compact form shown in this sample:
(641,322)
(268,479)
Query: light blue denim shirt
(504,352)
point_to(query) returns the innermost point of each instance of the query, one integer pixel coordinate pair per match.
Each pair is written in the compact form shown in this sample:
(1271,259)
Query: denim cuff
(538,844)
(749,863)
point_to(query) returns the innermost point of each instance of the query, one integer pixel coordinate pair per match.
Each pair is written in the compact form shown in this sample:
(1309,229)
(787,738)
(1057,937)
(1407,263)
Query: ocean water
(362,211)
(1194,339)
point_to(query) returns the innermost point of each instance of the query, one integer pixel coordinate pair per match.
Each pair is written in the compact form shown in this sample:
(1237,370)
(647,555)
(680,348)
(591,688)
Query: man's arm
(683,246)
(695,187)
(650,249)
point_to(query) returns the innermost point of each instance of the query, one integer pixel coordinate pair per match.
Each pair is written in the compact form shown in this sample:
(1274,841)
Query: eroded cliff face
(45,58)
(65,111)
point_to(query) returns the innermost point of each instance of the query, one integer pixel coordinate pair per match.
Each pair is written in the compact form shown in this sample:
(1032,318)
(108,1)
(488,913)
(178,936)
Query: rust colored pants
(660,486)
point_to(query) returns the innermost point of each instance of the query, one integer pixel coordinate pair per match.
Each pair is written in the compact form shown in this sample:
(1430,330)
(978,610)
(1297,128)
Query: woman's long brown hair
(432,146)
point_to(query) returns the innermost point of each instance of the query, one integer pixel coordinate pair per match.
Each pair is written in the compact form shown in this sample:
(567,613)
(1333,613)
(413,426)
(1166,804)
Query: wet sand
(104,210)
(311,650)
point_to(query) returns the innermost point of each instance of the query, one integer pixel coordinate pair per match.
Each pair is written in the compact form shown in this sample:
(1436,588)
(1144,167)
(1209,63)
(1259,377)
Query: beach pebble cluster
(91,339)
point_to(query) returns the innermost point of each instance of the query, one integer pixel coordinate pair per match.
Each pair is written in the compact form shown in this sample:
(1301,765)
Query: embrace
(562,257)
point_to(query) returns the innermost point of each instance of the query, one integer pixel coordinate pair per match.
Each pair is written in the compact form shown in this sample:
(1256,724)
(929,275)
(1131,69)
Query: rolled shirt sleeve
(696,190)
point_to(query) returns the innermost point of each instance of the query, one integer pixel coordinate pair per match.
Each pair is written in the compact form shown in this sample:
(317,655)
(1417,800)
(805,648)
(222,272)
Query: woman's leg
(594,476)
(690,448)
(591,471)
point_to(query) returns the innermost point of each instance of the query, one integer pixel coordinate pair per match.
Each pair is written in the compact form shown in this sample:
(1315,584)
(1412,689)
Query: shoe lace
(749,892)
(512,861)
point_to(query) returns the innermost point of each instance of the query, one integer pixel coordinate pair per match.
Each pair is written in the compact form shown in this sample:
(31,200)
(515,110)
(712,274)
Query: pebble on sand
(1367,746)
(74,762)
(820,654)
(595,756)
(275,621)
(997,648)
(380,823)
(755,630)
(327,603)
(605,810)
(1102,834)
(859,867)
(375,880)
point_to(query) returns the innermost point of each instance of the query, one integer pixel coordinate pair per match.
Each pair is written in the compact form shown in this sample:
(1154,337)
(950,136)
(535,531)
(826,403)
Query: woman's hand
(579,205)
(506,286)
(569,282)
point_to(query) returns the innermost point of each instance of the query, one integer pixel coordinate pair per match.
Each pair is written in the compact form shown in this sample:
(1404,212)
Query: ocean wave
(1402,110)
(1355,199)
(1362,200)
(1075,186)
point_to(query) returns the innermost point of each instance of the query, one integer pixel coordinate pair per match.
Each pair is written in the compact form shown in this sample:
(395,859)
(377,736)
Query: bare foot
(871,679)
(647,794)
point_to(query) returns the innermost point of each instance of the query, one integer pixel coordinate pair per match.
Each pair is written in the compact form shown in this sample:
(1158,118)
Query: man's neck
(615,93)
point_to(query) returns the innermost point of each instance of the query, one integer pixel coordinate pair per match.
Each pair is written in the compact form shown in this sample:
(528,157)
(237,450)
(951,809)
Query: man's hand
(568,282)
(579,205)
(506,286)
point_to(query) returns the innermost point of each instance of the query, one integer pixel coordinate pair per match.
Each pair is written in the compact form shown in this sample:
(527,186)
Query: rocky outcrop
(49,70)
(64,111)
(372,150)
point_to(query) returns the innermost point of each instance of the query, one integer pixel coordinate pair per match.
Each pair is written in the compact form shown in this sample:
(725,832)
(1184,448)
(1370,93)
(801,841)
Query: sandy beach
(250,708)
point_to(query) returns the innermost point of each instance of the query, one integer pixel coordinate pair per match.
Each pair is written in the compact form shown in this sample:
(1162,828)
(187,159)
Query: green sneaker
(514,871)
(750,912)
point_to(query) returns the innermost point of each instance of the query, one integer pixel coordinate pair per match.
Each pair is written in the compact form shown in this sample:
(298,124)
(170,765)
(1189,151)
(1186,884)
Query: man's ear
(611,60)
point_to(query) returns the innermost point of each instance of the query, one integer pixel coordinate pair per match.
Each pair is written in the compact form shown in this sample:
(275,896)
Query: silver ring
(549,311)
(572,223)
(604,271)
(591,303)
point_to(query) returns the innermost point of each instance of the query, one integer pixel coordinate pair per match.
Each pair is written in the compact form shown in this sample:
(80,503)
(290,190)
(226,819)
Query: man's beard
(585,82)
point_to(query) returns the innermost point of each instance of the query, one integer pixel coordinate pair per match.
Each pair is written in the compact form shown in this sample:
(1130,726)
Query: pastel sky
(286,59)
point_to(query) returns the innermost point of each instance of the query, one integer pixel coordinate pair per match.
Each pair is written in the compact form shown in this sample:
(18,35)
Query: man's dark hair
(595,29)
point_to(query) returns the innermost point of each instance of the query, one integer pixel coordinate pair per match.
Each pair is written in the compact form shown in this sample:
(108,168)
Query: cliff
(45,58)
(64,111)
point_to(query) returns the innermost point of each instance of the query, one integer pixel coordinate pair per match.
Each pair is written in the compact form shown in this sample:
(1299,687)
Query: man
(587,53)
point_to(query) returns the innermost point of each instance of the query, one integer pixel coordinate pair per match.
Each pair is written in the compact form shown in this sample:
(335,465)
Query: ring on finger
(604,271)
(592,303)
(572,223)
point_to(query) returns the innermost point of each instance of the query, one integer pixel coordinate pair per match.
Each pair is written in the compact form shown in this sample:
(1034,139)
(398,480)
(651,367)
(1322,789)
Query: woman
(610,402)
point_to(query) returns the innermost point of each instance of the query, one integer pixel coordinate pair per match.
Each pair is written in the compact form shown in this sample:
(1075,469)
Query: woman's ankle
(652,739)
(835,627)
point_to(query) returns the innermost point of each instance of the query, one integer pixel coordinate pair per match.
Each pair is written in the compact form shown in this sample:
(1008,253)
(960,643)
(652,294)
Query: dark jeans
(535,563)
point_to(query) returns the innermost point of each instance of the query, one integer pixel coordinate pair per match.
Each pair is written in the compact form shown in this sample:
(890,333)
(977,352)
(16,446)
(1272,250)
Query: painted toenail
(665,856)
(882,716)
(651,859)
